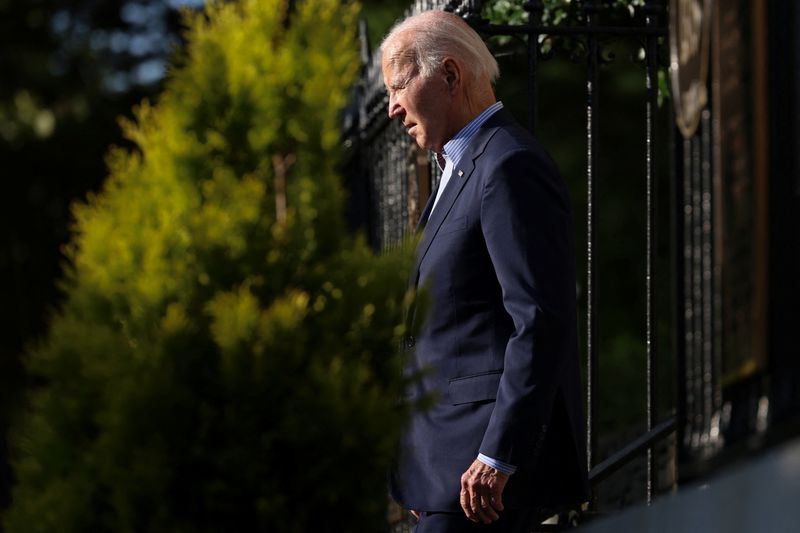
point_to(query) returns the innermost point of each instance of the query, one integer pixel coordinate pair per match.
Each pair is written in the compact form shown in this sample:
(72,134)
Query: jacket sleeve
(526,221)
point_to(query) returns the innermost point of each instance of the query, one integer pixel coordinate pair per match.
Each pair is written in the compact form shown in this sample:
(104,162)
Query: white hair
(439,34)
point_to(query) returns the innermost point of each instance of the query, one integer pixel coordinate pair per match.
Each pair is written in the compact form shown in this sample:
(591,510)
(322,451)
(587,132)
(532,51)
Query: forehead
(397,54)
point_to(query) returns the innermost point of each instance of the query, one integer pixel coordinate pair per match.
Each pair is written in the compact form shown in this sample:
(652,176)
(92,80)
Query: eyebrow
(401,80)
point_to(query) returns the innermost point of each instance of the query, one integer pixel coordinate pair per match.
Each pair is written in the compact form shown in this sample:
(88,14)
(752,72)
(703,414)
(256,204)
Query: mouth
(410,126)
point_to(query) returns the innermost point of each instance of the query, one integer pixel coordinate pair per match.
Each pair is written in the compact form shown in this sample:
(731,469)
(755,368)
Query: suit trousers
(511,521)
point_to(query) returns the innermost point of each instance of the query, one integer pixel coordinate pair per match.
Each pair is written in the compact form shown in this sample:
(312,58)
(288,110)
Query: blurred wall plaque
(689,52)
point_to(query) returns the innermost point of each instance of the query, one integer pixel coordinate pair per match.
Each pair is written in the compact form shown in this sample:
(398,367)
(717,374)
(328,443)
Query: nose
(395,109)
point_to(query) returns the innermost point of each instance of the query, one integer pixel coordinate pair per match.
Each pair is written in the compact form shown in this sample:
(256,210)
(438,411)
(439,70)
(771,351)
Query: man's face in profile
(418,101)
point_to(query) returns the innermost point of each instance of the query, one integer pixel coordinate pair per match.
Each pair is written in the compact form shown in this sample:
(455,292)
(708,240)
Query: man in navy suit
(503,443)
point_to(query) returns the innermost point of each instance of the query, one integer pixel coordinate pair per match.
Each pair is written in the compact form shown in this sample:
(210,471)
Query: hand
(482,492)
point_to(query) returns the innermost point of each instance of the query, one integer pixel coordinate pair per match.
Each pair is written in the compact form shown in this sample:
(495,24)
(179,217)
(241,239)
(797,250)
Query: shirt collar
(455,147)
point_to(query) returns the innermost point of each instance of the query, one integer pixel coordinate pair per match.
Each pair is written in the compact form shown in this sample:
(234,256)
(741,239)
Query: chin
(421,141)
(426,145)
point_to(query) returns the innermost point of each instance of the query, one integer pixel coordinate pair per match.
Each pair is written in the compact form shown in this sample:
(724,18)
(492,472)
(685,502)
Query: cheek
(430,106)
(430,116)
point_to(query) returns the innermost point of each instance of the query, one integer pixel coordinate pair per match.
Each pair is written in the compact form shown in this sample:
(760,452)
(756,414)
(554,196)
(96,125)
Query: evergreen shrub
(226,355)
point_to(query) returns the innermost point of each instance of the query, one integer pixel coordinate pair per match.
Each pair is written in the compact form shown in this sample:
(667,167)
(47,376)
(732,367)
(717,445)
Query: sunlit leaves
(226,351)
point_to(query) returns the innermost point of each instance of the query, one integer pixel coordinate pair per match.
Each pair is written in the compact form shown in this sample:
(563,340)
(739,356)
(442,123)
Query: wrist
(500,466)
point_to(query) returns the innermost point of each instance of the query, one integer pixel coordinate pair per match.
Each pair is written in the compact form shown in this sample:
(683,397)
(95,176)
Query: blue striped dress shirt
(454,149)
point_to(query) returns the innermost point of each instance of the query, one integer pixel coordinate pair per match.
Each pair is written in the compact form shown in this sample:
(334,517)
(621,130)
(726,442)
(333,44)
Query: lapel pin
(460,173)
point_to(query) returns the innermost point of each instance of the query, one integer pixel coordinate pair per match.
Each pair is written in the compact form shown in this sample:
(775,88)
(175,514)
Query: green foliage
(505,12)
(554,12)
(380,15)
(225,359)
(559,13)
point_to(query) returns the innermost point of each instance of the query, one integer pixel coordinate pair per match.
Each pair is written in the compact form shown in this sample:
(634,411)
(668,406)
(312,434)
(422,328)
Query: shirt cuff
(505,468)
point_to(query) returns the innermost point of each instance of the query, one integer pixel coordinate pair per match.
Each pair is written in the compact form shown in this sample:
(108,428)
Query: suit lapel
(461,175)
(454,187)
(423,219)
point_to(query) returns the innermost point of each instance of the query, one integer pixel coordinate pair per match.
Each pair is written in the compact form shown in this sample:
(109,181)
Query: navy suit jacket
(497,352)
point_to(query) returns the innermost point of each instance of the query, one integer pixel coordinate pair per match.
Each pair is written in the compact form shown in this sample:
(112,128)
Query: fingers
(481,494)
(479,507)
(465,506)
(470,503)
(496,499)
(488,509)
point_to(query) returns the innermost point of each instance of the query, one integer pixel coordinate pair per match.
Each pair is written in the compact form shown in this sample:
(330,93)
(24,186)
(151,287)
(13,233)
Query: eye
(400,83)
(393,90)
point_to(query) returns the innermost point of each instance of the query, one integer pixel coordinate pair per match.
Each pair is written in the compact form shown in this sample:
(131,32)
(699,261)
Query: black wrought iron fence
(397,178)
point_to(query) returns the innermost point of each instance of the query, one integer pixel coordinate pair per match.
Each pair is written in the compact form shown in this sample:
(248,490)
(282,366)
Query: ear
(452,74)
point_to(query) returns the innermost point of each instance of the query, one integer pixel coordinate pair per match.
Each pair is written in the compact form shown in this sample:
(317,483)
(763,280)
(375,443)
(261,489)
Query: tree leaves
(220,365)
